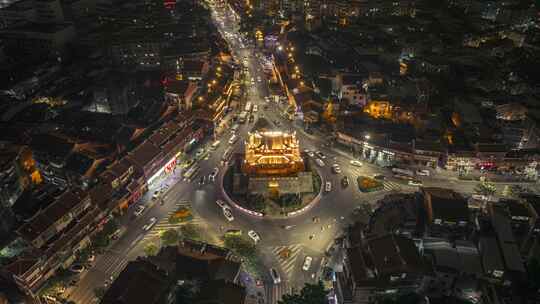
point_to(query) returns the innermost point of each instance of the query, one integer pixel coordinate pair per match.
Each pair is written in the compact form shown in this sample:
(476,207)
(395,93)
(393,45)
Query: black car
(345,182)
(379,177)
(202,180)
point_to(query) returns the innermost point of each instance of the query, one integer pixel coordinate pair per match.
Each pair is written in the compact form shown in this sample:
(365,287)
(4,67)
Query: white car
(139,210)
(254,236)
(311,154)
(356,163)
(307,263)
(422,172)
(212,176)
(328,186)
(150,224)
(275,276)
(319,162)
(415,183)
(227,212)
(222,204)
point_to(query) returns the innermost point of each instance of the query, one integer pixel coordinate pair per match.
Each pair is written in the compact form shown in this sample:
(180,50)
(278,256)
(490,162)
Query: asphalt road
(332,212)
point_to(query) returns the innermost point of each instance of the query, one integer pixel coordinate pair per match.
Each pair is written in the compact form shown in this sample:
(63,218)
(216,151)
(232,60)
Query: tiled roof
(140,282)
(44,219)
(144,154)
(395,254)
(120,167)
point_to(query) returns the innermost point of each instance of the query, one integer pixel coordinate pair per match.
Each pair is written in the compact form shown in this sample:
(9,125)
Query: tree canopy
(310,294)
(169,237)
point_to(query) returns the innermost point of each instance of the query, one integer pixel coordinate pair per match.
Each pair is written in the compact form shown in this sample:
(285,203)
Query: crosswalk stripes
(389,186)
(118,268)
(288,263)
(164,224)
(274,292)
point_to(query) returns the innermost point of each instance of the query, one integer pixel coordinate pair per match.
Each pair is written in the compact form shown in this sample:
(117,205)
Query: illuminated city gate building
(272,153)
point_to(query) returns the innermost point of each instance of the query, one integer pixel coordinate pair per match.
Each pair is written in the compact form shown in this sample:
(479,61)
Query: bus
(191,173)
(248,107)
(227,154)
(242,117)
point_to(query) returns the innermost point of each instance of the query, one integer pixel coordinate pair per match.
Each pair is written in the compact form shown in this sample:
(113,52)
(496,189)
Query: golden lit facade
(379,109)
(272,153)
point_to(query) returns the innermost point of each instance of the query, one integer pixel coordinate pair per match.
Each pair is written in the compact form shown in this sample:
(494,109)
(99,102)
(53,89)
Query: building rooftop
(393,254)
(503,228)
(144,154)
(54,212)
(221,291)
(447,205)
(140,282)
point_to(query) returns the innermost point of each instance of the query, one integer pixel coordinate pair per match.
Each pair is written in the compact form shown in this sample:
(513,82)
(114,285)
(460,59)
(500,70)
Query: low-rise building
(384,264)
(141,282)
(210,272)
(447,212)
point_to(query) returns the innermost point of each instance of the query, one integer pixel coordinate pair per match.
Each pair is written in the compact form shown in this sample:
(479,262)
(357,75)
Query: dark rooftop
(139,283)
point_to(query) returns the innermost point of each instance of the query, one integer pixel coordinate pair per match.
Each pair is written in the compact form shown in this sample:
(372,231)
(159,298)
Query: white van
(215,145)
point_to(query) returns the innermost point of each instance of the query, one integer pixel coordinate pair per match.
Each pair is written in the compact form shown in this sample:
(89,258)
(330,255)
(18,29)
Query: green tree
(245,248)
(169,237)
(151,249)
(241,246)
(257,202)
(485,188)
(99,292)
(310,294)
(101,239)
(190,231)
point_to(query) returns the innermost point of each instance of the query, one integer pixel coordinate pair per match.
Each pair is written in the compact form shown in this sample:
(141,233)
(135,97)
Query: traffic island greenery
(270,205)
(169,237)
(368,184)
(289,201)
(246,249)
(317,182)
(486,189)
(190,231)
(181,215)
(151,249)
(256,202)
